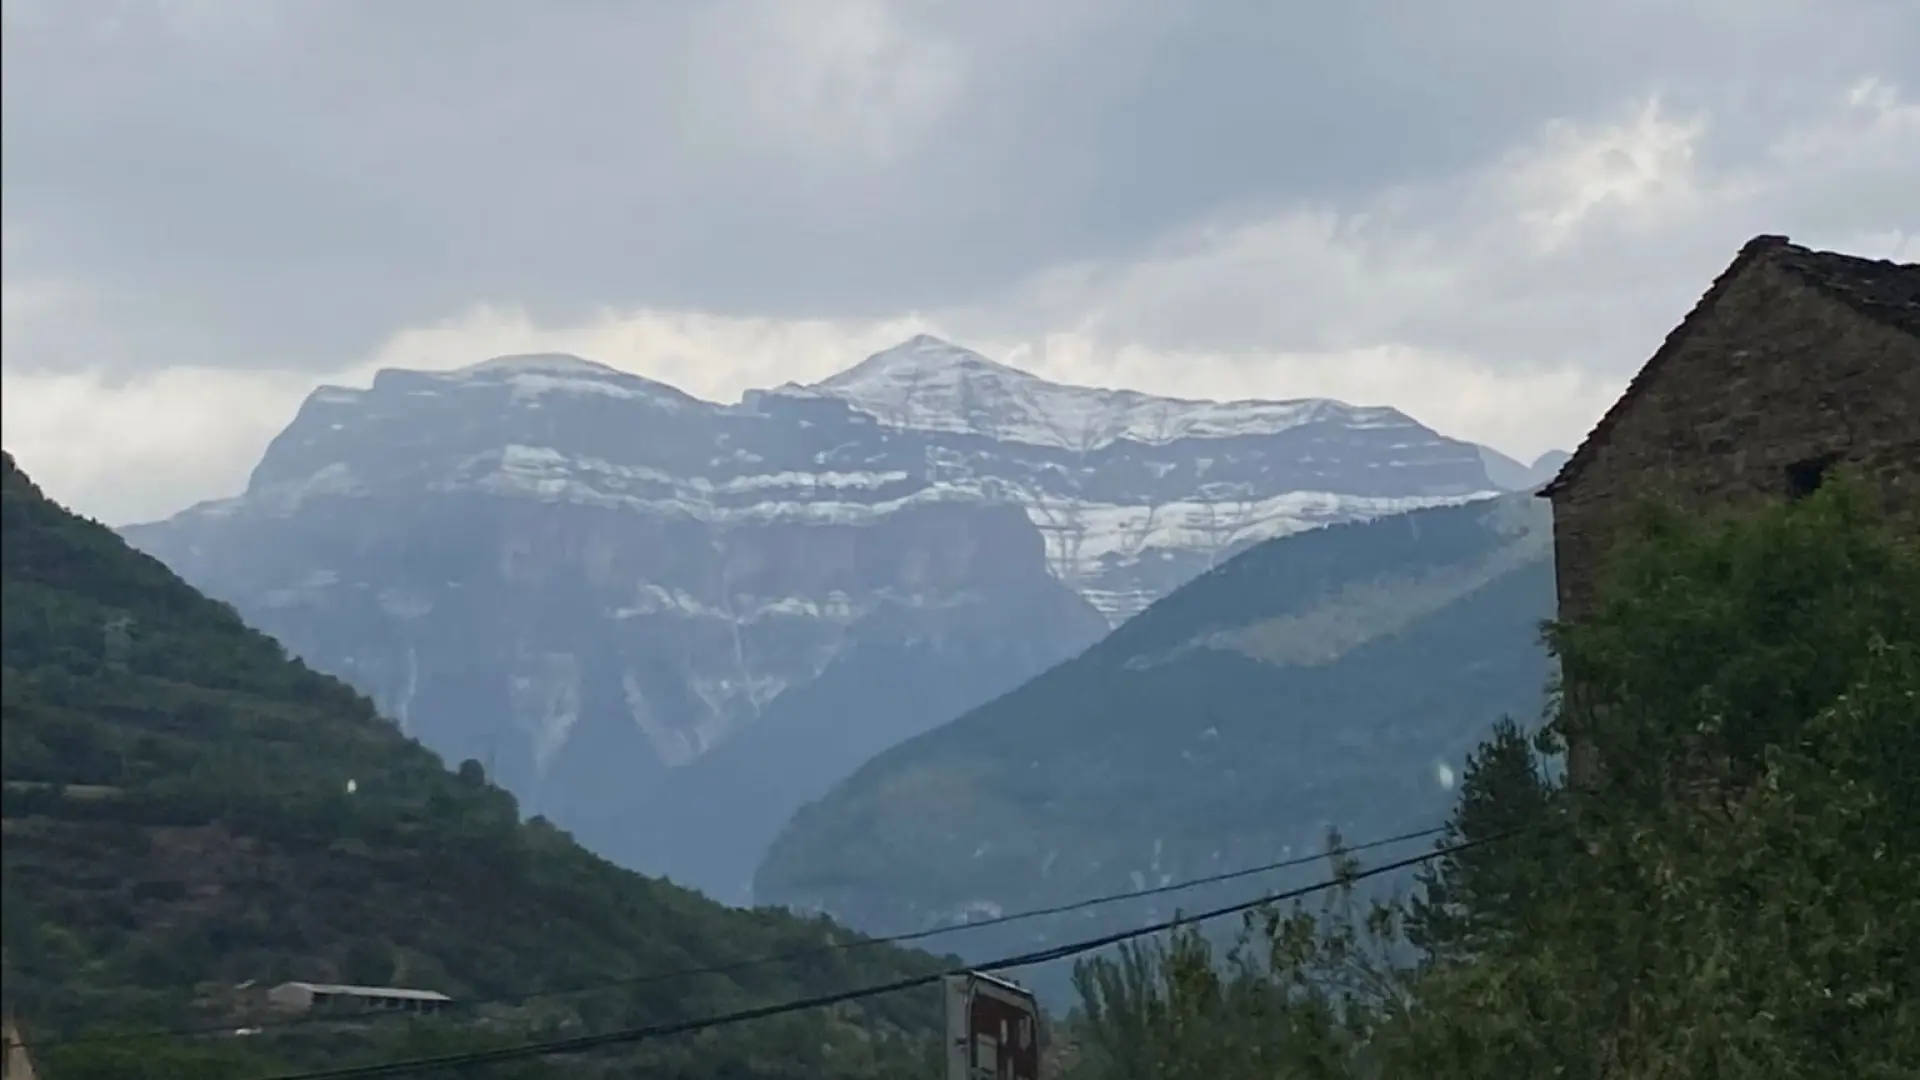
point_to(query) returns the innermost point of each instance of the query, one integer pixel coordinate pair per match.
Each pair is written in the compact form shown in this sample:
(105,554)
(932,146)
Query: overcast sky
(1484,212)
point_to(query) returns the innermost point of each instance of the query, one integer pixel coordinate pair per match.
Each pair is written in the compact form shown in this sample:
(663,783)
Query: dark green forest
(187,809)
(1733,895)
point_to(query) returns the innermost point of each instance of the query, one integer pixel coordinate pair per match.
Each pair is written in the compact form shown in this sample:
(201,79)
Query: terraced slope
(188,810)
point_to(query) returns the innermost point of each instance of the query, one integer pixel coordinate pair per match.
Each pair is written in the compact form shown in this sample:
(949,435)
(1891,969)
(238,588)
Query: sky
(1485,212)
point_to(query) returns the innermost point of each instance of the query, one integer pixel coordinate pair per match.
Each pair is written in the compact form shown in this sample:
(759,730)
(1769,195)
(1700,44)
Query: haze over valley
(867,540)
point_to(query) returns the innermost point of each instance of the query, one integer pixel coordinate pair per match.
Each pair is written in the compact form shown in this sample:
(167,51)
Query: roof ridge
(1889,295)
(1883,290)
(1750,252)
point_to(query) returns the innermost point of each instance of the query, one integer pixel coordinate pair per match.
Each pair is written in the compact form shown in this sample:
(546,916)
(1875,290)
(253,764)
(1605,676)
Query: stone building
(1793,361)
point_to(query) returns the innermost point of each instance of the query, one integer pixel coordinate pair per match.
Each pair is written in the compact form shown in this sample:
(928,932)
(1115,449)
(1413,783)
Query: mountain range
(667,623)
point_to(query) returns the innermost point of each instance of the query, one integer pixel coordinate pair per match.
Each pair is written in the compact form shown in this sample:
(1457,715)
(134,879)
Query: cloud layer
(1487,216)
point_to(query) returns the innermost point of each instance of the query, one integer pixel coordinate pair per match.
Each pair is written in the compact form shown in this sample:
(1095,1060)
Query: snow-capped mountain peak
(543,363)
(530,377)
(927,384)
(921,361)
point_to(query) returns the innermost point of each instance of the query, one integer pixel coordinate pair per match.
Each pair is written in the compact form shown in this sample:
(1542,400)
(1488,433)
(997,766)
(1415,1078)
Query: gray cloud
(1486,212)
(247,185)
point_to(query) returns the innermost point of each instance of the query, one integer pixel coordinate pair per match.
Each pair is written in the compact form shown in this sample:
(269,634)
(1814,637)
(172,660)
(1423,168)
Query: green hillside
(1731,894)
(187,809)
(1318,679)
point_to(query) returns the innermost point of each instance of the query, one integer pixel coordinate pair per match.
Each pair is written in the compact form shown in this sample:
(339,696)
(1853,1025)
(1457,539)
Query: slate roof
(1886,292)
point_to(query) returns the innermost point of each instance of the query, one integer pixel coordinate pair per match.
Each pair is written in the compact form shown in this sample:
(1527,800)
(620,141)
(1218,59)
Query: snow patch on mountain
(1132,494)
(545,701)
(1084,539)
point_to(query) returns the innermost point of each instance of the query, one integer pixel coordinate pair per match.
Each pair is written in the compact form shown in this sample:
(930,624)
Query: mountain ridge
(929,384)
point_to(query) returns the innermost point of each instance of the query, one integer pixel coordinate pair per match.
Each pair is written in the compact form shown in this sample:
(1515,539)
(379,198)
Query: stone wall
(1773,373)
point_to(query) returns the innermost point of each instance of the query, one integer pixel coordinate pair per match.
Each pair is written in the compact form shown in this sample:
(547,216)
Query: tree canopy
(1731,895)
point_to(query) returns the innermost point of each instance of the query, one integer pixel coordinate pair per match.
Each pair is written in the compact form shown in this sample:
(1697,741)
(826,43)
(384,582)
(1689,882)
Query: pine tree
(1468,900)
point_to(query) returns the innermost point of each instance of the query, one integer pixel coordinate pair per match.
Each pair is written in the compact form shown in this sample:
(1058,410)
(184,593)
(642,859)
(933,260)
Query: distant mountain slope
(186,809)
(1323,678)
(666,623)
(1510,475)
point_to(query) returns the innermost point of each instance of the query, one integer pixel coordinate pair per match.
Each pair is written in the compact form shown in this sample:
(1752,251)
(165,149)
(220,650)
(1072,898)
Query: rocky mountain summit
(1136,494)
(667,623)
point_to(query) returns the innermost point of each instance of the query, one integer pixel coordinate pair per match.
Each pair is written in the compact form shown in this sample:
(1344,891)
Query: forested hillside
(1320,679)
(188,810)
(1733,896)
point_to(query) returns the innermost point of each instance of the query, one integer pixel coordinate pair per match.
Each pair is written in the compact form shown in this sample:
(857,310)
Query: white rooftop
(372,991)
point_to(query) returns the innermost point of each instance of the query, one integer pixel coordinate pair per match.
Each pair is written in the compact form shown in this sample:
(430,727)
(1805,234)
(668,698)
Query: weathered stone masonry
(1793,361)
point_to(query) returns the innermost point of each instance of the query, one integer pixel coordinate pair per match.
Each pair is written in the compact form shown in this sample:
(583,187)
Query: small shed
(309,997)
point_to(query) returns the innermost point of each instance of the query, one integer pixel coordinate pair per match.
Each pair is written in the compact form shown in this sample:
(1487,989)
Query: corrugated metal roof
(372,991)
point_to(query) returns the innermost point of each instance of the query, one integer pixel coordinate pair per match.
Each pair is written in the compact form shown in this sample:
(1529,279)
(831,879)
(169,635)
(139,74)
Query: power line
(761,961)
(582,1043)
(631,1035)
(776,958)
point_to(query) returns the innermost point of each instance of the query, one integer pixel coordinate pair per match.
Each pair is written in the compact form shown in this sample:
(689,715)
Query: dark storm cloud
(284,184)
